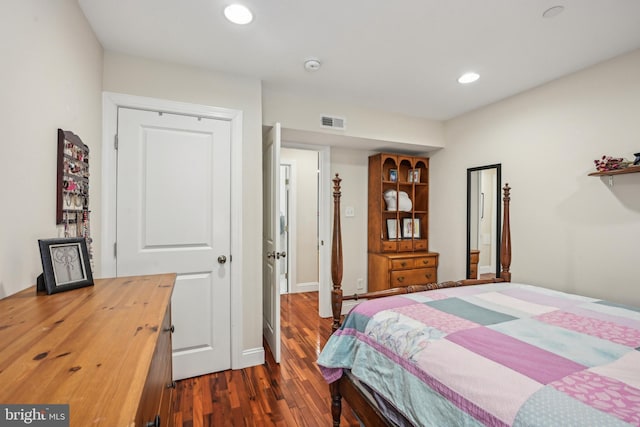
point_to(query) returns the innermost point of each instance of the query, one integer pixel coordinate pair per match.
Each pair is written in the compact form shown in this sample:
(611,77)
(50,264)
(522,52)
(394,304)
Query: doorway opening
(299,220)
(273,253)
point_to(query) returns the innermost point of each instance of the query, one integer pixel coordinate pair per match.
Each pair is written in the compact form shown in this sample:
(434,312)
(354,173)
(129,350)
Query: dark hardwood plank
(292,393)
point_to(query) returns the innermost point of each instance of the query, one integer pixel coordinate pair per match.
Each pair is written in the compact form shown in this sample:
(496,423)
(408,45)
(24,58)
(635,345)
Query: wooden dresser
(474,258)
(105,350)
(398,237)
(402,269)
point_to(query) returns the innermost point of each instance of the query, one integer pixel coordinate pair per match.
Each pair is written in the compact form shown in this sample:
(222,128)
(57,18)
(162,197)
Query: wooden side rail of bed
(344,388)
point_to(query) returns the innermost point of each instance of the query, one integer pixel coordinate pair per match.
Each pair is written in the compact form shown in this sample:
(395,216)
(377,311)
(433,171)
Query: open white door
(271,251)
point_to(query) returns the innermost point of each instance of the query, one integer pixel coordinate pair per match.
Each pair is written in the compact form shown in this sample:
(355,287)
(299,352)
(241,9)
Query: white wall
(141,77)
(352,165)
(50,78)
(304,114)
(570,231)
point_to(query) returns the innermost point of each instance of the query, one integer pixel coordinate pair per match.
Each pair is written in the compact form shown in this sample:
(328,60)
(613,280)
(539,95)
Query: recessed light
(553,12)
(467,78)
(238,14)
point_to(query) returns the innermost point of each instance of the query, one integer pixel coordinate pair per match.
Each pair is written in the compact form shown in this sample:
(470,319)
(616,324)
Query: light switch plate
(349,211)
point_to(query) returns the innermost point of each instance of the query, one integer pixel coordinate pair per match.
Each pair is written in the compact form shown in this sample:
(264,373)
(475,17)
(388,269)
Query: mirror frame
(498,201)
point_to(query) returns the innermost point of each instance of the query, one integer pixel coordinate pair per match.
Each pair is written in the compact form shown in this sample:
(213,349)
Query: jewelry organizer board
(72,193)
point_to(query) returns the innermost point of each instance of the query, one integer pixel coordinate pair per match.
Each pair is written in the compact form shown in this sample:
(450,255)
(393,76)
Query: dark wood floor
(290,394)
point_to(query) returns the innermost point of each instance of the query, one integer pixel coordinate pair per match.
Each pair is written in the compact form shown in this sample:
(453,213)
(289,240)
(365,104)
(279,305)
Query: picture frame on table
(65,265)
(410,228)
(392,229)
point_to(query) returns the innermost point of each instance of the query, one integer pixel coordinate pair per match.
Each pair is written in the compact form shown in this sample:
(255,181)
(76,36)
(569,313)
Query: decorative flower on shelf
(608,163)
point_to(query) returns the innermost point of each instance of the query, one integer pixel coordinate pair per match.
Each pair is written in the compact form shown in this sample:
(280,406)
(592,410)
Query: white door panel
(271,241)
(173,215)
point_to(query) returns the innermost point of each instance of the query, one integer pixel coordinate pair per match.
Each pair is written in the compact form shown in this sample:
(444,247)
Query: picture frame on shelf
(416,175)
(410,228)
(65,265)
(392,229)
(410,175)
(393,175)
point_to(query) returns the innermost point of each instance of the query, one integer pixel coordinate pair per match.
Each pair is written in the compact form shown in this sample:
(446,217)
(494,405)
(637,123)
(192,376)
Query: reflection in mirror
(483,221)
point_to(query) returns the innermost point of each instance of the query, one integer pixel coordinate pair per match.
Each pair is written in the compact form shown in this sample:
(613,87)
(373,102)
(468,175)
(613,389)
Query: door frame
(110,103)
(291,223)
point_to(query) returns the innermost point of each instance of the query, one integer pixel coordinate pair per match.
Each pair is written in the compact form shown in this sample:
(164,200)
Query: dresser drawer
(413,262)
(418,276)
(420,245)
(389,246)
(157,396)
(401,264)
(423,262)
(405,245)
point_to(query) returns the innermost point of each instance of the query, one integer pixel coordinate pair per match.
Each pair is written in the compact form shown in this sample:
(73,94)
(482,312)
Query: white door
(271,252)
(173,215)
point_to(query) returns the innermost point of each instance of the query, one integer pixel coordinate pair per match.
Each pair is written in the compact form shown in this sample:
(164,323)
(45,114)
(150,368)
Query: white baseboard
(306,287)
(484,269)
(251,357)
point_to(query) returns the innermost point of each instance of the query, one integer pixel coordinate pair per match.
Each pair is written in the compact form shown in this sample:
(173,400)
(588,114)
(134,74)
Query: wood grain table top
(90,348)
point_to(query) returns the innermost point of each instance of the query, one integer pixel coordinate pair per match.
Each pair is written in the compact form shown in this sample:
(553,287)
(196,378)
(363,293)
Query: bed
(479,352)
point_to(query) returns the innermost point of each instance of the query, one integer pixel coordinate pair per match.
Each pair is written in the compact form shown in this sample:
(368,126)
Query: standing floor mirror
(483,221)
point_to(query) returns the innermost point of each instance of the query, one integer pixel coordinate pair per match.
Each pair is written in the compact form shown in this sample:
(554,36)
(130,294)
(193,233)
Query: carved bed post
(336,292)
(336,257)
(336,402)
(505,249)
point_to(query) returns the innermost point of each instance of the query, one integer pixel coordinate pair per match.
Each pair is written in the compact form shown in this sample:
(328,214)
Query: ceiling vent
(332,122)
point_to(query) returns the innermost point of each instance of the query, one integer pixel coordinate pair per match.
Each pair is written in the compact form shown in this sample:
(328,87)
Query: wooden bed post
(336,292)
(336,257)
(336,403)
(505,249)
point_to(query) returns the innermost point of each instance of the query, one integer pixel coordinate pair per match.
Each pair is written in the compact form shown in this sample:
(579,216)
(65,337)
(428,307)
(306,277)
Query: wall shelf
(629,169)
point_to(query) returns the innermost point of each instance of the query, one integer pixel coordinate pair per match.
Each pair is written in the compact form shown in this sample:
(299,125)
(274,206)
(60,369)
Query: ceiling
(398,56)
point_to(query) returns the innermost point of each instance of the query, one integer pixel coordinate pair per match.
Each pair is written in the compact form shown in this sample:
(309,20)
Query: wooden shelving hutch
(398,240)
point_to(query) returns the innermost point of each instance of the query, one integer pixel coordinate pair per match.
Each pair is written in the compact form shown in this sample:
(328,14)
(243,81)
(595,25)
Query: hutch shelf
(398,240)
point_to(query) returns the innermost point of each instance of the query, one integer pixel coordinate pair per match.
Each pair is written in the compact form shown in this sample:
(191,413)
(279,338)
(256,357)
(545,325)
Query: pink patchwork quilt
(502,354)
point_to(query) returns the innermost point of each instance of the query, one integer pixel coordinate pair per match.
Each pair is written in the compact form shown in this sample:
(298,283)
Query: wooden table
(105,350)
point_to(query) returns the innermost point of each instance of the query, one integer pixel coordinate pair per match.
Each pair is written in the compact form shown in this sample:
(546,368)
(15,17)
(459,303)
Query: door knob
(271,255)
(222,259)
(282,254)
